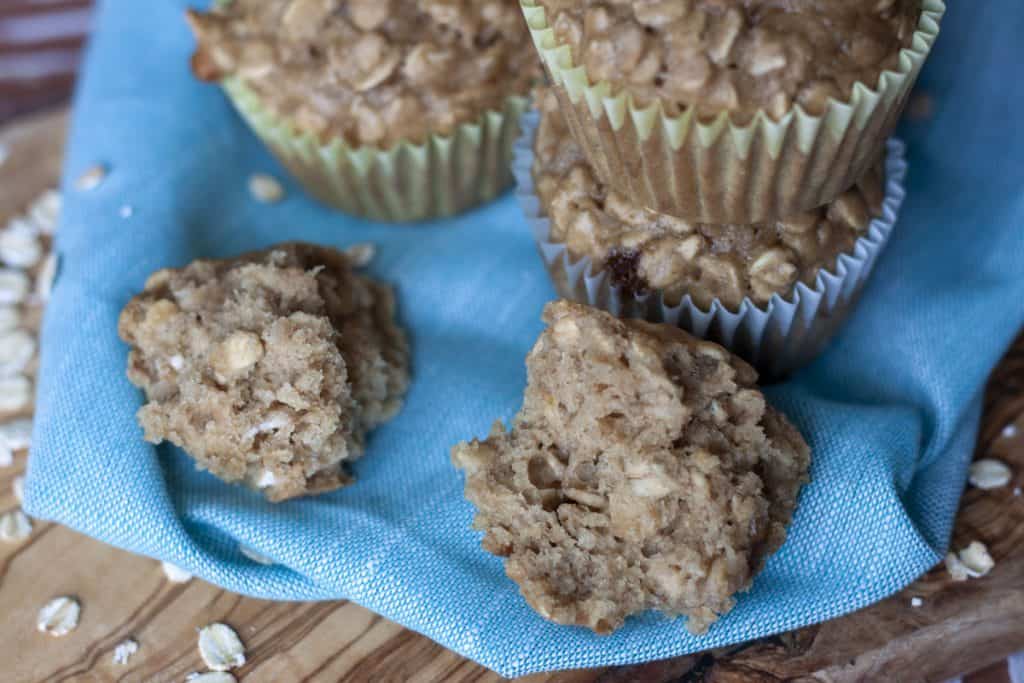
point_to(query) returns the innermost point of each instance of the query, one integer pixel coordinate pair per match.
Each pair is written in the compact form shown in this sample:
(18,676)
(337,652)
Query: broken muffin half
(269,368)
(643,471)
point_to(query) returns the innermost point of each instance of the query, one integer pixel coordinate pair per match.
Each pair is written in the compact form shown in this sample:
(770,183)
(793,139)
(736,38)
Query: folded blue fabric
(890,410)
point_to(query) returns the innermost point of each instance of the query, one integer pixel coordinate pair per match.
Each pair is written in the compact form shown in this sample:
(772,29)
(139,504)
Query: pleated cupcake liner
(777,338)
(718,171)
(442,176)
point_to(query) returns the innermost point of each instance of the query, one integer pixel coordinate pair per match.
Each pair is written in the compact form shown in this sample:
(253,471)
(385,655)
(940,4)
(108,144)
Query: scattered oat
(989,473)
(976,559)
(124,650)
(220,647)
(15,526)
(19,247)
(920,107)
(255,556)
(955,567)
(17,349)
(972,562)
(15,393)
(59,617)
(91,178)
(1009,431)
(916,602)
(175,574)
(17,433)
(126,211)
(361,254)
(265,188)
(211,677)
(23,226)
(13,286)
(14,436)
(45,211)
(10,318)
(46,277)
(19,488)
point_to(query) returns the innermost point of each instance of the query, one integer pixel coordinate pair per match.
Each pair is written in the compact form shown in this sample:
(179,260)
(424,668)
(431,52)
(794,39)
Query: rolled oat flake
(175,574)
(91,178)
(59,617)
(989,473)
(15,393)
(220,647)
(210,677)
(17,349)
(13,286)
(14,526)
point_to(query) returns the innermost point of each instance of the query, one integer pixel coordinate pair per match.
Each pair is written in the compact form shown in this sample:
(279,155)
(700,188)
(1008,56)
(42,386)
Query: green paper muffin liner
(778,337)
(718,171)
(407,182)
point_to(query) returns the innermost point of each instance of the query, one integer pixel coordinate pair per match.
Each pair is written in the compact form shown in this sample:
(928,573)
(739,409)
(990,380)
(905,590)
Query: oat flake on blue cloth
(891,410)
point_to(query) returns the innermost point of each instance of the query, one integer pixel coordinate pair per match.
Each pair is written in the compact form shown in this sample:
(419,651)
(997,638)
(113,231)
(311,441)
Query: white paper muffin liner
(777,338)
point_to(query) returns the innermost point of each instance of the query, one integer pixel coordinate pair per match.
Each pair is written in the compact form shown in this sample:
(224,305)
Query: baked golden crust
(372,72)
(739,56)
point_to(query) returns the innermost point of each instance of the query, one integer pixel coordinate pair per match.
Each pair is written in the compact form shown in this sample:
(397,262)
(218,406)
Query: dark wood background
(40,49)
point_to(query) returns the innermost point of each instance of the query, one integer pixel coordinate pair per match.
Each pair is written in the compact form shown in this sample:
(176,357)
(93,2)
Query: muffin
(787,283)
(268,369)
(729,111)
(397,110)
(644,471)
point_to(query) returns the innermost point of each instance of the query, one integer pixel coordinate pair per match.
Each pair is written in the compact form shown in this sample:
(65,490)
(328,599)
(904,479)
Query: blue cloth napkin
(890,411)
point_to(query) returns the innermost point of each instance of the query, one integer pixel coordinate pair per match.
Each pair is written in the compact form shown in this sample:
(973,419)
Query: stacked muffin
(721,164)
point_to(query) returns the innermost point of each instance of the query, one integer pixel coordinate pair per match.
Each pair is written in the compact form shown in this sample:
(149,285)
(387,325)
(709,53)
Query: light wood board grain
(959,627)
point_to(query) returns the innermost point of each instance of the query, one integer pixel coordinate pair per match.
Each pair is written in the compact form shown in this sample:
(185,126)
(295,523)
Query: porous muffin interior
(267,369)
(643,250)
(739,56)
(372,72)
(644,471)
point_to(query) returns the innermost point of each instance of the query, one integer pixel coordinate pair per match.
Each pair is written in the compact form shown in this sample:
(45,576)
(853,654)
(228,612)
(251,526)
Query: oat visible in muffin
(735,55)
(644,471)
(644,250)
(268,369)
(374,72)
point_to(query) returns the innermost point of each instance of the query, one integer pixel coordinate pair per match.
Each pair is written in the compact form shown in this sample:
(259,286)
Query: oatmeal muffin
(732,111)
(644,251)
(394,109)
(644,471)
(268,369)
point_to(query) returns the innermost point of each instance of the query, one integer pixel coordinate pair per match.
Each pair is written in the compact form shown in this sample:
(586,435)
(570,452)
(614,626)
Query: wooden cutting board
(959,627)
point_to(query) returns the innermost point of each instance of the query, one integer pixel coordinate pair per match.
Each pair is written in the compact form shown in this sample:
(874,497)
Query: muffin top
(644,471)
(644,250)
(735,55)
(374,72)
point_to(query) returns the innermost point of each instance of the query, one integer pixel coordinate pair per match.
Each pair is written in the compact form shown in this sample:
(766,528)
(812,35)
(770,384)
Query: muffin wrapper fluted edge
(442,176)
(717,171)
(776,338)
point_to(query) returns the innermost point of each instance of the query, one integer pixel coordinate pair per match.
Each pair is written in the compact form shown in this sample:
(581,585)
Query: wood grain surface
(959,627)
(40,49)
